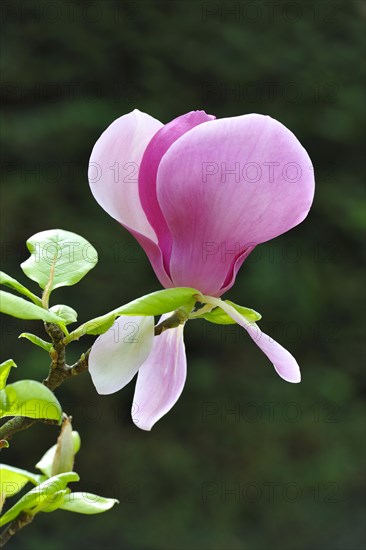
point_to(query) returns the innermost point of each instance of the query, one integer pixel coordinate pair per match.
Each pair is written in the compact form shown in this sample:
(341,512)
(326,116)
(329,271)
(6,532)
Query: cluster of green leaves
(51,491)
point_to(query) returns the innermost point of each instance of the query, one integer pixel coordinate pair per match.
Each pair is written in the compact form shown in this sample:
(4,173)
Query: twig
(55,378)
(16,525)
(177,318)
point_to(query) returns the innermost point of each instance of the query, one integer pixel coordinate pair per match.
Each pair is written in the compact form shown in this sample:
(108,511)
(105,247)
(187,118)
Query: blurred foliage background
(244,460)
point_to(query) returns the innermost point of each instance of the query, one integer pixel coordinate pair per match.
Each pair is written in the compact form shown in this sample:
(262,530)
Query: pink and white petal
(214,215)
(284,363)
(113,177)
(117,354)
(114,166)
(155,255)
(161,378)
(157,147)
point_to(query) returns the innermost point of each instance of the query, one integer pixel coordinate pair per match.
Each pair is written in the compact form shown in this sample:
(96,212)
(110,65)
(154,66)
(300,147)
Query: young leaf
(13,283)
(22,309)
(156,303)
(67,314)
(42,495)
(29,398)
(36,340)
(4,372)
(12,480)
(87,503)
(219,317)
(64,456)
(56,502)
(58,258)
(47,460)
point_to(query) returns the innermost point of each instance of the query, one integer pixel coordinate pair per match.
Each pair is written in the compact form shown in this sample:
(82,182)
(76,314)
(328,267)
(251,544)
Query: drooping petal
(113,177)
(157,147)
(284,363)
(117,354)
(228,185)
(161,378)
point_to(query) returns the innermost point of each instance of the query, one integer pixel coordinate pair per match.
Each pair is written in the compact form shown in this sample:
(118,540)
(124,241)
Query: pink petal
(284,363)
(161,378)
(113,178)
(214,218)
(235,266)
(157,147)
(117,354)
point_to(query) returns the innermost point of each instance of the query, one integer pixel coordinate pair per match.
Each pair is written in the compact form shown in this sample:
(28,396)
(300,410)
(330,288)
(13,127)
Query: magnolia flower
(198,194)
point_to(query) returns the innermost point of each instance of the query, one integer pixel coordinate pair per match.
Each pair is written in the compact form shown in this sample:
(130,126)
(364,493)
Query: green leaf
(29,398)
(22,309)
(219,317)
(87,503)
(4,372)
(58,257)
(36,340)
(41,496)
(67,314)
(12,480)
(13,283)
(156,303)
(47,460)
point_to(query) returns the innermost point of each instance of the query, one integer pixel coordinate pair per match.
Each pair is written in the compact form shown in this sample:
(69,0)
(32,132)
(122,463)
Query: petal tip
(145,426)
(293,377)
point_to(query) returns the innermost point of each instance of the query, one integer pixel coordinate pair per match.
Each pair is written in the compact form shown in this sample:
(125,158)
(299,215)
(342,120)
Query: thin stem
(55,378)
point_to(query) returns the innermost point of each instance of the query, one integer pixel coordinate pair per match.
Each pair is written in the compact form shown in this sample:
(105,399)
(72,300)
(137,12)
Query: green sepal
(219,317)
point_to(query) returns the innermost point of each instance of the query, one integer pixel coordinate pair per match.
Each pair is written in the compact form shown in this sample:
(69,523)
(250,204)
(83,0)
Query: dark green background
(71,68)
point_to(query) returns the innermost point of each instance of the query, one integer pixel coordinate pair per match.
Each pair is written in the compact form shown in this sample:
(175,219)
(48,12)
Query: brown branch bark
(16,525)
